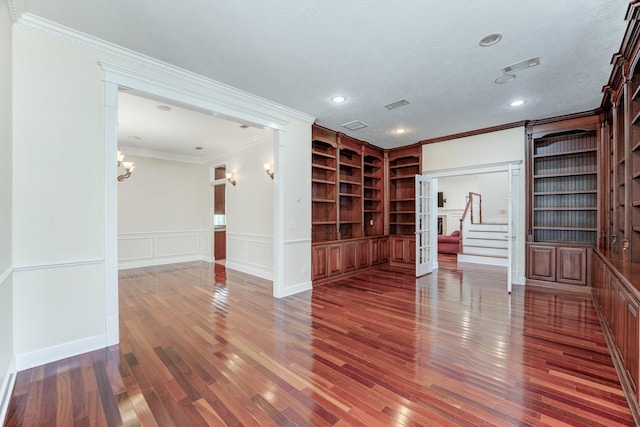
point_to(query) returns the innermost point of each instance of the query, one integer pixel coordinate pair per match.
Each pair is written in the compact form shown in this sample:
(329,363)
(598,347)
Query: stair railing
(472,215)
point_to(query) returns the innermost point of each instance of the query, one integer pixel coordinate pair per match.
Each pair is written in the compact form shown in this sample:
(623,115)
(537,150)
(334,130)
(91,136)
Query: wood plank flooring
(202,345)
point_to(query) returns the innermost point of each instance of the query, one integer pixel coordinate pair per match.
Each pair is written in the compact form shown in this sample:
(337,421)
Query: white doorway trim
(116,77)
(513,171)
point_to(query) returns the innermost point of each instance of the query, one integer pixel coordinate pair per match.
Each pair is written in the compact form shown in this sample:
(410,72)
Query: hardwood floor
(201,345)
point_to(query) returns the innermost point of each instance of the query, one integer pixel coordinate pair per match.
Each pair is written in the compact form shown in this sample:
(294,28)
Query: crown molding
(16,8)
(36,23)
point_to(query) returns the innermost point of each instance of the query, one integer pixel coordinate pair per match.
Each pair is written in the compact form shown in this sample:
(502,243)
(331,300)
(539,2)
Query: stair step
(486,256)
(482,259)
(485,251)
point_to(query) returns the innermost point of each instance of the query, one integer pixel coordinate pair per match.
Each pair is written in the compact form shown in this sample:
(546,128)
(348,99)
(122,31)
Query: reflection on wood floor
(202,345)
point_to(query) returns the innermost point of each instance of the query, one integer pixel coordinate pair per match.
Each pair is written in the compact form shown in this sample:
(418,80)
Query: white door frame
(513,172)
(116,77)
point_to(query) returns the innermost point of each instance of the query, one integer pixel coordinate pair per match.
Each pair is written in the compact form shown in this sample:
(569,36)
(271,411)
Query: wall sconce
(128,167)
(230,178)
(268,168)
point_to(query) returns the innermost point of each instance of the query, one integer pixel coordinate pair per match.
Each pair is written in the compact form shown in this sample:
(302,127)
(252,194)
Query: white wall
(481,151)
(162,213)
(6,267)
(494,188)
(63,302)
(249,210)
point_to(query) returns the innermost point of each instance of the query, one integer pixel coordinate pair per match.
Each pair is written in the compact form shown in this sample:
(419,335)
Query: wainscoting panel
(251,254)
(163,247)
(7,360)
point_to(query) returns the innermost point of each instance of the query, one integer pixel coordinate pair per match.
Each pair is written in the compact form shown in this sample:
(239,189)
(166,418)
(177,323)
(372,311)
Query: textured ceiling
(300,53)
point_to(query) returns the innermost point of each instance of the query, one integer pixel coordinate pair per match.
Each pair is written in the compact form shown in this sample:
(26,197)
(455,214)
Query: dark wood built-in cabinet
(563,203)
(403,164)
(361,195)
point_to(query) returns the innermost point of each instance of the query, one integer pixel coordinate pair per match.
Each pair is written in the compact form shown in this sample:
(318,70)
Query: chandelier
(128,167)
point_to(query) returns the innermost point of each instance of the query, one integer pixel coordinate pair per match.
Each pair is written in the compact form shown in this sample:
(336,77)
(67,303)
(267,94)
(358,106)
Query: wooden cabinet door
(349,252)
(319,262)
(334,259)
(374,252)
(363,254)
(397,249)
(620,320)
(542,262)
(572,266)
(383,250)
(631,345)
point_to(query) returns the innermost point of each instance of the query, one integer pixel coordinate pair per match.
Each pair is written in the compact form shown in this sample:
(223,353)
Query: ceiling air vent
(396,104)
(527,63)
(355,125)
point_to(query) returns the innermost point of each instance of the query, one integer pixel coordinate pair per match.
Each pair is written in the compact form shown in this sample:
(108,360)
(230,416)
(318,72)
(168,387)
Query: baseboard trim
(6,390)
(261,272)
(59,352)
(300,287)
(125,265)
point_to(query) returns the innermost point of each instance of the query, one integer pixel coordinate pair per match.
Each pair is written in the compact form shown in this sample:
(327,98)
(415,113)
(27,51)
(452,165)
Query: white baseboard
(520,281)
(6,389)
(113,324)
(124,265)
(290,290)
(59,352)
(262,272)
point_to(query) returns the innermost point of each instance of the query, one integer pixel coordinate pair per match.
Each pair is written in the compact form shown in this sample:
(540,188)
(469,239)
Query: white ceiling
(374,52)
(146,127)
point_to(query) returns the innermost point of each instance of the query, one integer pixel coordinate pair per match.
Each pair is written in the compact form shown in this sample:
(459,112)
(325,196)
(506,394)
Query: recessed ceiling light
(400,131)
(490,39)
(338,99)
(164,108)
(506,78)
(198,148)
(517,103)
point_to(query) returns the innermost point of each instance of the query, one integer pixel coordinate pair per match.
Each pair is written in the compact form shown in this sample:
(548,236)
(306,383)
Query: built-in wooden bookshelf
(347,205)
(563,203)
(565,187)
(633,173)
(324,173)
(350,188)
(373,206)
(403,167)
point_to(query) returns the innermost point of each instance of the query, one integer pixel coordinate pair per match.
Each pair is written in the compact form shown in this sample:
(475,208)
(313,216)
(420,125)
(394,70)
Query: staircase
(485,243)
(482,242)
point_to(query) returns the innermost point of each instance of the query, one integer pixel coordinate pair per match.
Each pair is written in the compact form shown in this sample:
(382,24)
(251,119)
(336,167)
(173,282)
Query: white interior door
(426,225)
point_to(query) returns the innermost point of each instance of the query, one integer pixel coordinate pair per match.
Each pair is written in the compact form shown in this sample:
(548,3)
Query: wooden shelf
(350,195)
(566,209)
(408,199)
(565,153)
(323,181)
(350,165)
(412,176)
(323,222)
(636,229)
(636,203)
(323,200)
(402,212)
(323,154)
(636,147)
(565,228)
(636,119)
(636,174)
(329,168)
(559,193)
(350,182)
(555,175)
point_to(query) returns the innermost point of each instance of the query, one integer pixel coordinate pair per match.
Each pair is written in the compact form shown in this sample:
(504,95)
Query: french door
(426,225)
